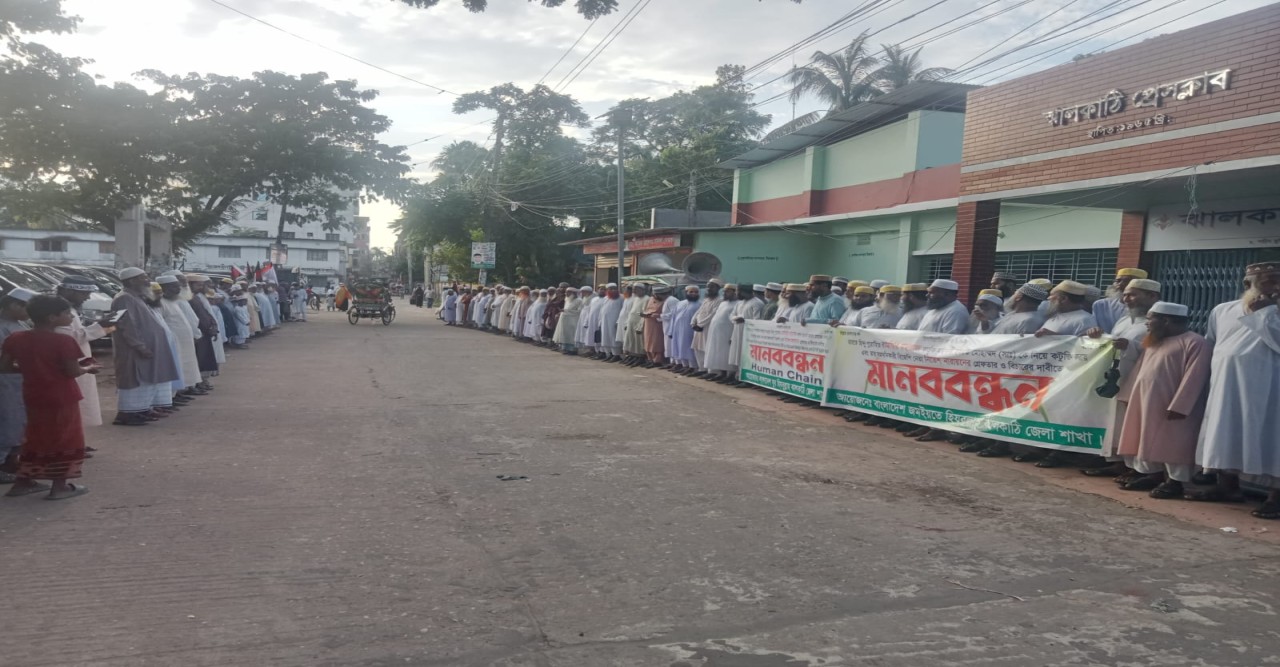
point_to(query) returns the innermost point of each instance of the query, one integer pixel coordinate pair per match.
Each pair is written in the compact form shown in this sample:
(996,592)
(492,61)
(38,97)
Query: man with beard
(1241,433)
(582,341)
(986,312)
(944,313)
(797,305)
(450,308)
(1006,283)
(772,294)
(1139,296)
(1022,311)
(607,326)
(591,323)
(1067,314)
(207,343)
(653,337)
(862,300)
(144,364)
(567,324)
(533,318)
(551,316)
(720,337)
(520,312)
(633,331)
(667,316)
(1166,400)
(1110,310)
(682,356)
(702,320)
(886,311)
(185,331)
(750,307)
(915,298)
(827,307)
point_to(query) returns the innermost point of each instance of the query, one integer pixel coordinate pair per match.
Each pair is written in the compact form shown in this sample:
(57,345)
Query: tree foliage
(853,75)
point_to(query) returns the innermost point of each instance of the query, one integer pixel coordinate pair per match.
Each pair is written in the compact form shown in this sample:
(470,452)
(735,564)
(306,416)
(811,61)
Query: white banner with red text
(1020,389)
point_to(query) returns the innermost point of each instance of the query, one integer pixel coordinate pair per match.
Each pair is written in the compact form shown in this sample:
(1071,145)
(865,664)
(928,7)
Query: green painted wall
(940,138)
(934,232)
(862,249)
(783,178)
(878,155)
(762,256)
(1054,227)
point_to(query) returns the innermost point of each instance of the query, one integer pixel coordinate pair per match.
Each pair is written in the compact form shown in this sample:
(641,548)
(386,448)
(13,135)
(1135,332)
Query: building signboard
(1115,100)
(1246,223)
(633,245)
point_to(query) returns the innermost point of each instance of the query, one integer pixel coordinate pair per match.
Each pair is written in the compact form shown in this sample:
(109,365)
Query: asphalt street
(337,501)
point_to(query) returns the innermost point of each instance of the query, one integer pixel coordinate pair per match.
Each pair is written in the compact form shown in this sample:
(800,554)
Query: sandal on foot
(1053,460)
(931,436)
(1029,457)
(1269,510)
(1109,471)
(1169,490)
(1143,483)
(1214,495)
(26,490)
(973,447)
(73,490)
(997,450)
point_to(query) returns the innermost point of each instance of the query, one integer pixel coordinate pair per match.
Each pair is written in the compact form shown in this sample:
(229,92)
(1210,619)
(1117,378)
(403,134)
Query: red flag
(235,272)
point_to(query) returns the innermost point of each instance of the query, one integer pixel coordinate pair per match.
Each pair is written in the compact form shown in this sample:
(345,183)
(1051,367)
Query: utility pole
(622,241)
(693,199)
(408,260)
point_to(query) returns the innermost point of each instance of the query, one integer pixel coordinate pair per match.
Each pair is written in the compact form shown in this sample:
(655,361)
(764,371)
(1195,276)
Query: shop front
(1176,140)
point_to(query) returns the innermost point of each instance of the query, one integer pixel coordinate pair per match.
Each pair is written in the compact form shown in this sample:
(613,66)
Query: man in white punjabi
(606,326)
(633,331)
(720,337)
(1166,401)
(915,300)
(772,297)
(1241,432)
(1067,314)
(702,320)
(1129,332)
(796,304)
(682,357)
(1022,314)
(750,307)
(945,315)
(884,312)
(862,299)
(987,311)
(1111,309)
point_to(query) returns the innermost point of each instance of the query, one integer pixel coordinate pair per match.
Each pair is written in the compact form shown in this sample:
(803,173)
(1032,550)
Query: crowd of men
(1187,408)
(170,335)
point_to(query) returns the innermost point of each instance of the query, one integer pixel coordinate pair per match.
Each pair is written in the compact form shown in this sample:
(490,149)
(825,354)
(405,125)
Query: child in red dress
(49,363)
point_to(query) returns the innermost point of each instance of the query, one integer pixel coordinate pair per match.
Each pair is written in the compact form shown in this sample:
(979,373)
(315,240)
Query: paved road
(336,502)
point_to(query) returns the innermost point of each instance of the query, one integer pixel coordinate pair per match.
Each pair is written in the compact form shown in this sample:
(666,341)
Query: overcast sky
(672,44)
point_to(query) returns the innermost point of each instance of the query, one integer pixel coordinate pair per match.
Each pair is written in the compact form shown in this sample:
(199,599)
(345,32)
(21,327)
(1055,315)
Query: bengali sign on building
(788,358)
(1020,389)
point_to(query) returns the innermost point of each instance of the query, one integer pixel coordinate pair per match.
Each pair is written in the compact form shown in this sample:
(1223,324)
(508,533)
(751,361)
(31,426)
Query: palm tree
(841,80)
(899,68)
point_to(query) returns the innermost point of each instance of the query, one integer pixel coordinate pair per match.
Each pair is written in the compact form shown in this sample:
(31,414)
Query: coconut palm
(898,68)
(841,80)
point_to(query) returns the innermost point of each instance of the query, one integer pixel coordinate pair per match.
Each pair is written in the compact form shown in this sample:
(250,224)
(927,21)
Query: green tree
(899,68)
(70,149)
(305,143)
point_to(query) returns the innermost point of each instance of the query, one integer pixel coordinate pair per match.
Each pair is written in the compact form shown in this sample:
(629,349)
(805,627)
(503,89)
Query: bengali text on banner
(1020,389)
(788,358)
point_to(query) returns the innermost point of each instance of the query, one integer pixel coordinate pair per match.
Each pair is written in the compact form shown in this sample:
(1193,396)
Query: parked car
(12,276)
(106,280)
(94,308)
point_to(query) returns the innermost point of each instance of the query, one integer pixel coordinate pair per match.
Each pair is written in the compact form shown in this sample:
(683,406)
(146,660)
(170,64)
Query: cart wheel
(353,316)
(388,314)
(393,313)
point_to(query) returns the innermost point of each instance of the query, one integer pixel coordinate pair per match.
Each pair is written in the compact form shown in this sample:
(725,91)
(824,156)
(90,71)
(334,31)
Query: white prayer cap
(716,281)
(20,294)
(1143,284)
(950,285)
(757,287)
(131,272)
(611,286)
(992,298)
(167,279)
(877,284)
(690,288)
(774,287)
(172,272)
(1166,308)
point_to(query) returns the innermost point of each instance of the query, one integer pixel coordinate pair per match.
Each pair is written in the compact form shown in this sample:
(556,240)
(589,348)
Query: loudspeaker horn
(702,266)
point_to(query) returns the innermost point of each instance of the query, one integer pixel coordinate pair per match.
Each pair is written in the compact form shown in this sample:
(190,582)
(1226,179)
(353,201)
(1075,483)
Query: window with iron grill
(1091,267)
(230,252)
(318,255)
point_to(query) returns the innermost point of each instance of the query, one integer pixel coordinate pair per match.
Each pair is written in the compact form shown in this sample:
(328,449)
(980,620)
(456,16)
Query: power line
(348,56)
(567,51)
(604,44)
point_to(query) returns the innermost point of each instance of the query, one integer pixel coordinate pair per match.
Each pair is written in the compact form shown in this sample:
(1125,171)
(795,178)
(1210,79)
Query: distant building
(58,247)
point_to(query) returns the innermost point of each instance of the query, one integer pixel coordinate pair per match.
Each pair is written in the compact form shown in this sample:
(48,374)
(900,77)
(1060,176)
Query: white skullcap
(167,279)
(1166,308)
(877,284)
(946,285)
(131,272)
(586,288)
(716,281)
(611,286)
(774,287)
(992,298)
(21,294)
(757,287)
(172,272)
(1143,284)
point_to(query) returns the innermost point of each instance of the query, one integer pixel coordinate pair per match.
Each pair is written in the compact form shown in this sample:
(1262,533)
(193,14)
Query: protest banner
(789,358)
(1020,389)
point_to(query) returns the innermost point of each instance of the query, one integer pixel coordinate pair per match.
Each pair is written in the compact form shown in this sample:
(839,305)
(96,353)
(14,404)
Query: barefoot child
(49,363)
